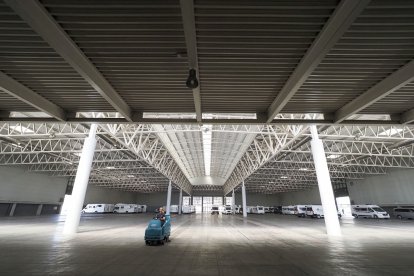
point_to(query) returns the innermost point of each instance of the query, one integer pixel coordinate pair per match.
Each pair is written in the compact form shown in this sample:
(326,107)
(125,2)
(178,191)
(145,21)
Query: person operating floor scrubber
(161,215)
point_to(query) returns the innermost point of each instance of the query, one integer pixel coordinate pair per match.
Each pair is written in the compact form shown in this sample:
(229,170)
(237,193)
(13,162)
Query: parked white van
(142,208)
(288,210)
(258,210)
(227,210)
(369,211)
(174,209)
(98,208)
(188,209)
(300,210)
(314,211)
(125,208)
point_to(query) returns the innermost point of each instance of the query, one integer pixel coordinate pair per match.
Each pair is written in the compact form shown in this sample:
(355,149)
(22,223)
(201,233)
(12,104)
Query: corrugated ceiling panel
(135,44)
(248,49)
(28,59)
(379,42)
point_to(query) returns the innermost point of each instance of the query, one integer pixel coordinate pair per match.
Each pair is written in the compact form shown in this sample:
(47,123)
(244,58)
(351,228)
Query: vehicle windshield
(214,208)
(377,209)
(228,208)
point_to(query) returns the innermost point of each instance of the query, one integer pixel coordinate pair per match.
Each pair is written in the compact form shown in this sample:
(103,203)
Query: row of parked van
(186,209)
(316,211)
(119,208)
(313,211)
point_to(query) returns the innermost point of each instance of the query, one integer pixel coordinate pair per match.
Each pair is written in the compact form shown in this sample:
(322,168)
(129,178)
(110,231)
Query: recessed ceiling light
(110,168)
(333,156)
(130,175)
(283,177)
(303,169)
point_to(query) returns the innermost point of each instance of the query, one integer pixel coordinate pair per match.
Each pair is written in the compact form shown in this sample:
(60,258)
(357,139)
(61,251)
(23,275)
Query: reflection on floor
(206,245)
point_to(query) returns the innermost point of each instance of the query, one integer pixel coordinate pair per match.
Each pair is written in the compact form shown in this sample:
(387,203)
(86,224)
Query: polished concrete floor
(206,245)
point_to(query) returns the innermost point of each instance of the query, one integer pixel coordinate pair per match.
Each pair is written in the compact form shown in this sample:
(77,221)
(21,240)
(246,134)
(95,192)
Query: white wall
(253,199)
(19,185)
(96,194)
(394,188)
(310,196)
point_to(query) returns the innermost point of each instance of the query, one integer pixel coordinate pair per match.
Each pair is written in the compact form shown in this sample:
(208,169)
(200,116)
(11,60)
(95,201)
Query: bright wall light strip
(207,148)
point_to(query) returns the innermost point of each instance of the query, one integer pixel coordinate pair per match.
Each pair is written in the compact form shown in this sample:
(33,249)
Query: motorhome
(188,209)
(174,209)
(215,210)
(314,211)
(122,208)
(288,210)
(257,210)
(227,210)
(369,211)
(142,208)
(300,210)
(98,208)
(249,209)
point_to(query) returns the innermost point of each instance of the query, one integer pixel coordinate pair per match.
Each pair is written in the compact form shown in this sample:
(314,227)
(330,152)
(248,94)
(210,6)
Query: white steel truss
(270,158)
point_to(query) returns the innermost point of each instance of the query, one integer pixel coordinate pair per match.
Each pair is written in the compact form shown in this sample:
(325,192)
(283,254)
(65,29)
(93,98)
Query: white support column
(81,183)
(168,198)
(244,200)
(180,202)
(233,202)
(325,187)
(13,208)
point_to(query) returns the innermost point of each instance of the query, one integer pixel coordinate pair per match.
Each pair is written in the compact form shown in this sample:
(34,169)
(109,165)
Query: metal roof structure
(266,70)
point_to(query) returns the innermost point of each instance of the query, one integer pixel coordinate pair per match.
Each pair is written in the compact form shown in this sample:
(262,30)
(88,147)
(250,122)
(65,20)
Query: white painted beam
(407,117)
(25,94)
(37,17)
(393,82)
(339,22)
(187,12)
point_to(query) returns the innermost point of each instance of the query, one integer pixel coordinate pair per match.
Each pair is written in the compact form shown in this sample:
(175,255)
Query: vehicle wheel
(399,217)
(375,216)
(318,216)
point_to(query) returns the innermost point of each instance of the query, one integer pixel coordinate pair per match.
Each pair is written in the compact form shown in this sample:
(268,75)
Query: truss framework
(275,158)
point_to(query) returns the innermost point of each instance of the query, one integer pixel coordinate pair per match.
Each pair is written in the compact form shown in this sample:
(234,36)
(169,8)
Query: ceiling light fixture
(192,81)
(207,148)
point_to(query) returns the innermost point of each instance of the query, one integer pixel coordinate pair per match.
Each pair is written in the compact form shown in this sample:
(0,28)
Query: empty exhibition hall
(207,137)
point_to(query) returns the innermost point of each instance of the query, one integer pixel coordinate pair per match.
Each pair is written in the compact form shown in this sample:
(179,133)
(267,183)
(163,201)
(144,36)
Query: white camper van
(288,210)
(369,211)
(227,210)
(257,210)
(142,208)
(98,208)
(314,211)
(188,209)
(174,209)
(300,210)
(122,208)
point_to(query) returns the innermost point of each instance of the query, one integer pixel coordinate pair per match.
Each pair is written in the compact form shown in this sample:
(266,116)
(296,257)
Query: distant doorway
(344,206)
